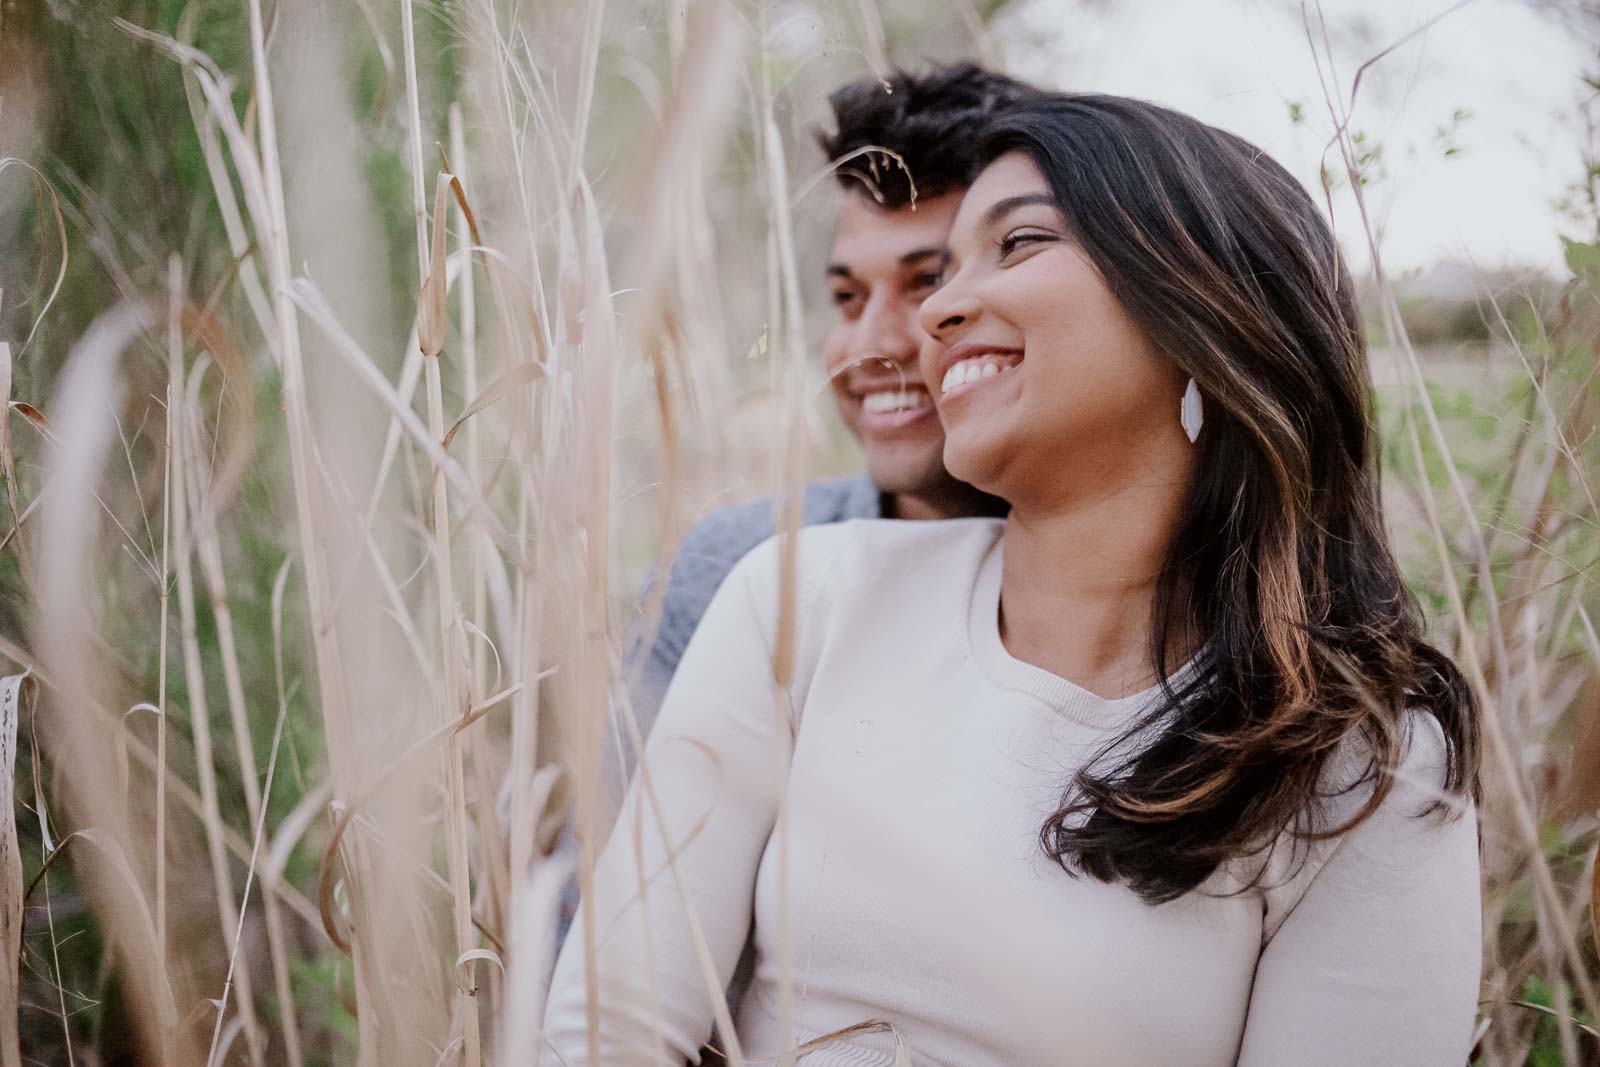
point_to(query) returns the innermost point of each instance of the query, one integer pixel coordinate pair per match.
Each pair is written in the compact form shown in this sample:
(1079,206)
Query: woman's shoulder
(1420,823)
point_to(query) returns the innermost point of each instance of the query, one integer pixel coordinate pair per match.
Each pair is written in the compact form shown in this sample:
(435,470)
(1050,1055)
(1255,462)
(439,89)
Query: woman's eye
(1016,239)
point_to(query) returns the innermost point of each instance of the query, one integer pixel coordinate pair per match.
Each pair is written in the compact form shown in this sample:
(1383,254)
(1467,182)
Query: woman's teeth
(902,400)
(973,370)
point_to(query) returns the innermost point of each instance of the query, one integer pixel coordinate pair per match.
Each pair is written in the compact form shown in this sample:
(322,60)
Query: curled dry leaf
(464,972)
(121,749)
(461,202)
(493,393)
(327,876)
(902,1048)
(32,414)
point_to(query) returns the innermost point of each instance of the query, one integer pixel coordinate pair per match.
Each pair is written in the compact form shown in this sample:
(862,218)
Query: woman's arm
(713,764)
(1378,962)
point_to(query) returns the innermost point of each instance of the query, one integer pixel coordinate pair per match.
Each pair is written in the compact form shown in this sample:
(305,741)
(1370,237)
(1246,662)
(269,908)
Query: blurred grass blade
(10,872)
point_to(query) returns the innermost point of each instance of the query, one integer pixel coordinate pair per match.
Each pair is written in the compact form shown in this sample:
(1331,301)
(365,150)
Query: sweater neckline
(1061,694)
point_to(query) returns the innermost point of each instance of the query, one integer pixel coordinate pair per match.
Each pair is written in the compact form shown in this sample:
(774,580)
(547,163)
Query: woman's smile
(971,365)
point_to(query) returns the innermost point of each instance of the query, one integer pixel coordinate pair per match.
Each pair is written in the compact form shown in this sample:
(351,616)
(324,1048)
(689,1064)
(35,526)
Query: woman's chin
(977,462)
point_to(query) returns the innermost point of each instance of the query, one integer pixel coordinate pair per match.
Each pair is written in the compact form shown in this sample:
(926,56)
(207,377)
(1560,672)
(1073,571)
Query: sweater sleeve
(715,765)
(1378,961)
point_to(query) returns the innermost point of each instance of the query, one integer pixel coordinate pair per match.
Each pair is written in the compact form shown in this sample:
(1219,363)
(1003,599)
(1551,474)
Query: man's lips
(888,409)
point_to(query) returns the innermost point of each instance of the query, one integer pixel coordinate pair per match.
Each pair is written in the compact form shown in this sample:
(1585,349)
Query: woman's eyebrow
(1001,208)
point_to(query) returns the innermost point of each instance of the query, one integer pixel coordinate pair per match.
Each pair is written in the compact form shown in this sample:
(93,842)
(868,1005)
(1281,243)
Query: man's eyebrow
(1001,208)
(909,259)
(917,255)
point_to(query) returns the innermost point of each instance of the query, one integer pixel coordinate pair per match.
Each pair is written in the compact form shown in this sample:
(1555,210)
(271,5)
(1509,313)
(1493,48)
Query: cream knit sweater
(879,823)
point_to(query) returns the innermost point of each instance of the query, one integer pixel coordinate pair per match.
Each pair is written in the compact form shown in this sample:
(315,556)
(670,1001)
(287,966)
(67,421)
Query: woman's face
(1046,389)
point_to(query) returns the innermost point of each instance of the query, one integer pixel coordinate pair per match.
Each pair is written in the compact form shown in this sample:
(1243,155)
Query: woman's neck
(1079,578)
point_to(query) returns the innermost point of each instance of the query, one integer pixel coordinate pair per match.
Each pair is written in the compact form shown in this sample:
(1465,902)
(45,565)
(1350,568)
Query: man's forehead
(868,234)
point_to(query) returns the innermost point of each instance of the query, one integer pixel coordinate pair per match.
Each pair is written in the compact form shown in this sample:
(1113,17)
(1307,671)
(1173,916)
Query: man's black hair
(934,121)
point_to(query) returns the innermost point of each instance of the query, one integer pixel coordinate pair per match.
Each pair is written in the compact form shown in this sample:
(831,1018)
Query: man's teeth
(972,370)
(883,403)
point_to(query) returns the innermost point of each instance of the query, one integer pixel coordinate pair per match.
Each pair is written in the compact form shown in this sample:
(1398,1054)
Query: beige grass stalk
(209,551)
(589,322)
(219,1043)
(789,371)
(494,868)
(273,235)
(174,343)
(520,333)
(194,674)
(453,686)
(453,701)
(495,83)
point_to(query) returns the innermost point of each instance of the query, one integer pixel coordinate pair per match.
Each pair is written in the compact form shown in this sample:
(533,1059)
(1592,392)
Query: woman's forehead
(1011,175)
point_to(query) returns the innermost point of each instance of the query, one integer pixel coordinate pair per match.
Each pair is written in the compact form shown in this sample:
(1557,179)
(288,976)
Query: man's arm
(703,560)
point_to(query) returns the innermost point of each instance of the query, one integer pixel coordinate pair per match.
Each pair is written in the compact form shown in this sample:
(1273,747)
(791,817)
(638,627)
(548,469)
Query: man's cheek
(836,348)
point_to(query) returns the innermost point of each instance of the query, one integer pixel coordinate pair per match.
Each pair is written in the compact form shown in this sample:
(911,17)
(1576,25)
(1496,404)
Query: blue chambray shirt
(705,557)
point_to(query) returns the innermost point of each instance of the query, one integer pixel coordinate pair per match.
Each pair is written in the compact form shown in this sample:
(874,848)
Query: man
(887,250)
(885,259)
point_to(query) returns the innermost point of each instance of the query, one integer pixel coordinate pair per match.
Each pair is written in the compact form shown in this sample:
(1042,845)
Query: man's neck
(956,502)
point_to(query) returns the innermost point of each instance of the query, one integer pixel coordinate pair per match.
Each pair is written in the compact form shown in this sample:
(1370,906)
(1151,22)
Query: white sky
(1238,64)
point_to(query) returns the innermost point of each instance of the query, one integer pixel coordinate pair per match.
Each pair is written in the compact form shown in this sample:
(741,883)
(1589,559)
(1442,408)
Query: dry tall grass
(413,605)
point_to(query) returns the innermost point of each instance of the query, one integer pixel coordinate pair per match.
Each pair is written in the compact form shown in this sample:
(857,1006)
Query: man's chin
(920,476)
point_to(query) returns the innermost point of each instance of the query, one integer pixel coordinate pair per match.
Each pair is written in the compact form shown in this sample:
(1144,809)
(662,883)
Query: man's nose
(888,328)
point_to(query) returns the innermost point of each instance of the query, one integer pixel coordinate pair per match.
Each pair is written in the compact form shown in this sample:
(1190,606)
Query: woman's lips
(975,371)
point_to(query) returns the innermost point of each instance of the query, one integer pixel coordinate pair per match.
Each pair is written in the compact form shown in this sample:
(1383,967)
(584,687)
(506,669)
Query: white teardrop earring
(1190,413)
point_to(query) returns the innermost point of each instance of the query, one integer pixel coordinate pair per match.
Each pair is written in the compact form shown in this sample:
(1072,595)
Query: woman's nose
(945,311)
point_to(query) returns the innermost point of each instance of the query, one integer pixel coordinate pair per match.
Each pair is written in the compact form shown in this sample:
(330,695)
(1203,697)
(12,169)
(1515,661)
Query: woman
(966,792)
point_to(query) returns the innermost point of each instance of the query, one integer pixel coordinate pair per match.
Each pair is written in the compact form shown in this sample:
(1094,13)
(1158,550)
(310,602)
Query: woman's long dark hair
(1280,556)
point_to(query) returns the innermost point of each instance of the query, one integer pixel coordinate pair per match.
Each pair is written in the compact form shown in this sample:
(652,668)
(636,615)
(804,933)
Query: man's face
(882,265)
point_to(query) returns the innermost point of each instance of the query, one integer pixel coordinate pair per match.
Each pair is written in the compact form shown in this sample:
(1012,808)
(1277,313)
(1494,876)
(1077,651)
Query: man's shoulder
(726,535)
(877,561)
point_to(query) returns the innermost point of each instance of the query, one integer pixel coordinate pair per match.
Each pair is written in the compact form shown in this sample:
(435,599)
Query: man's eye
(842,297)
(928,280)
